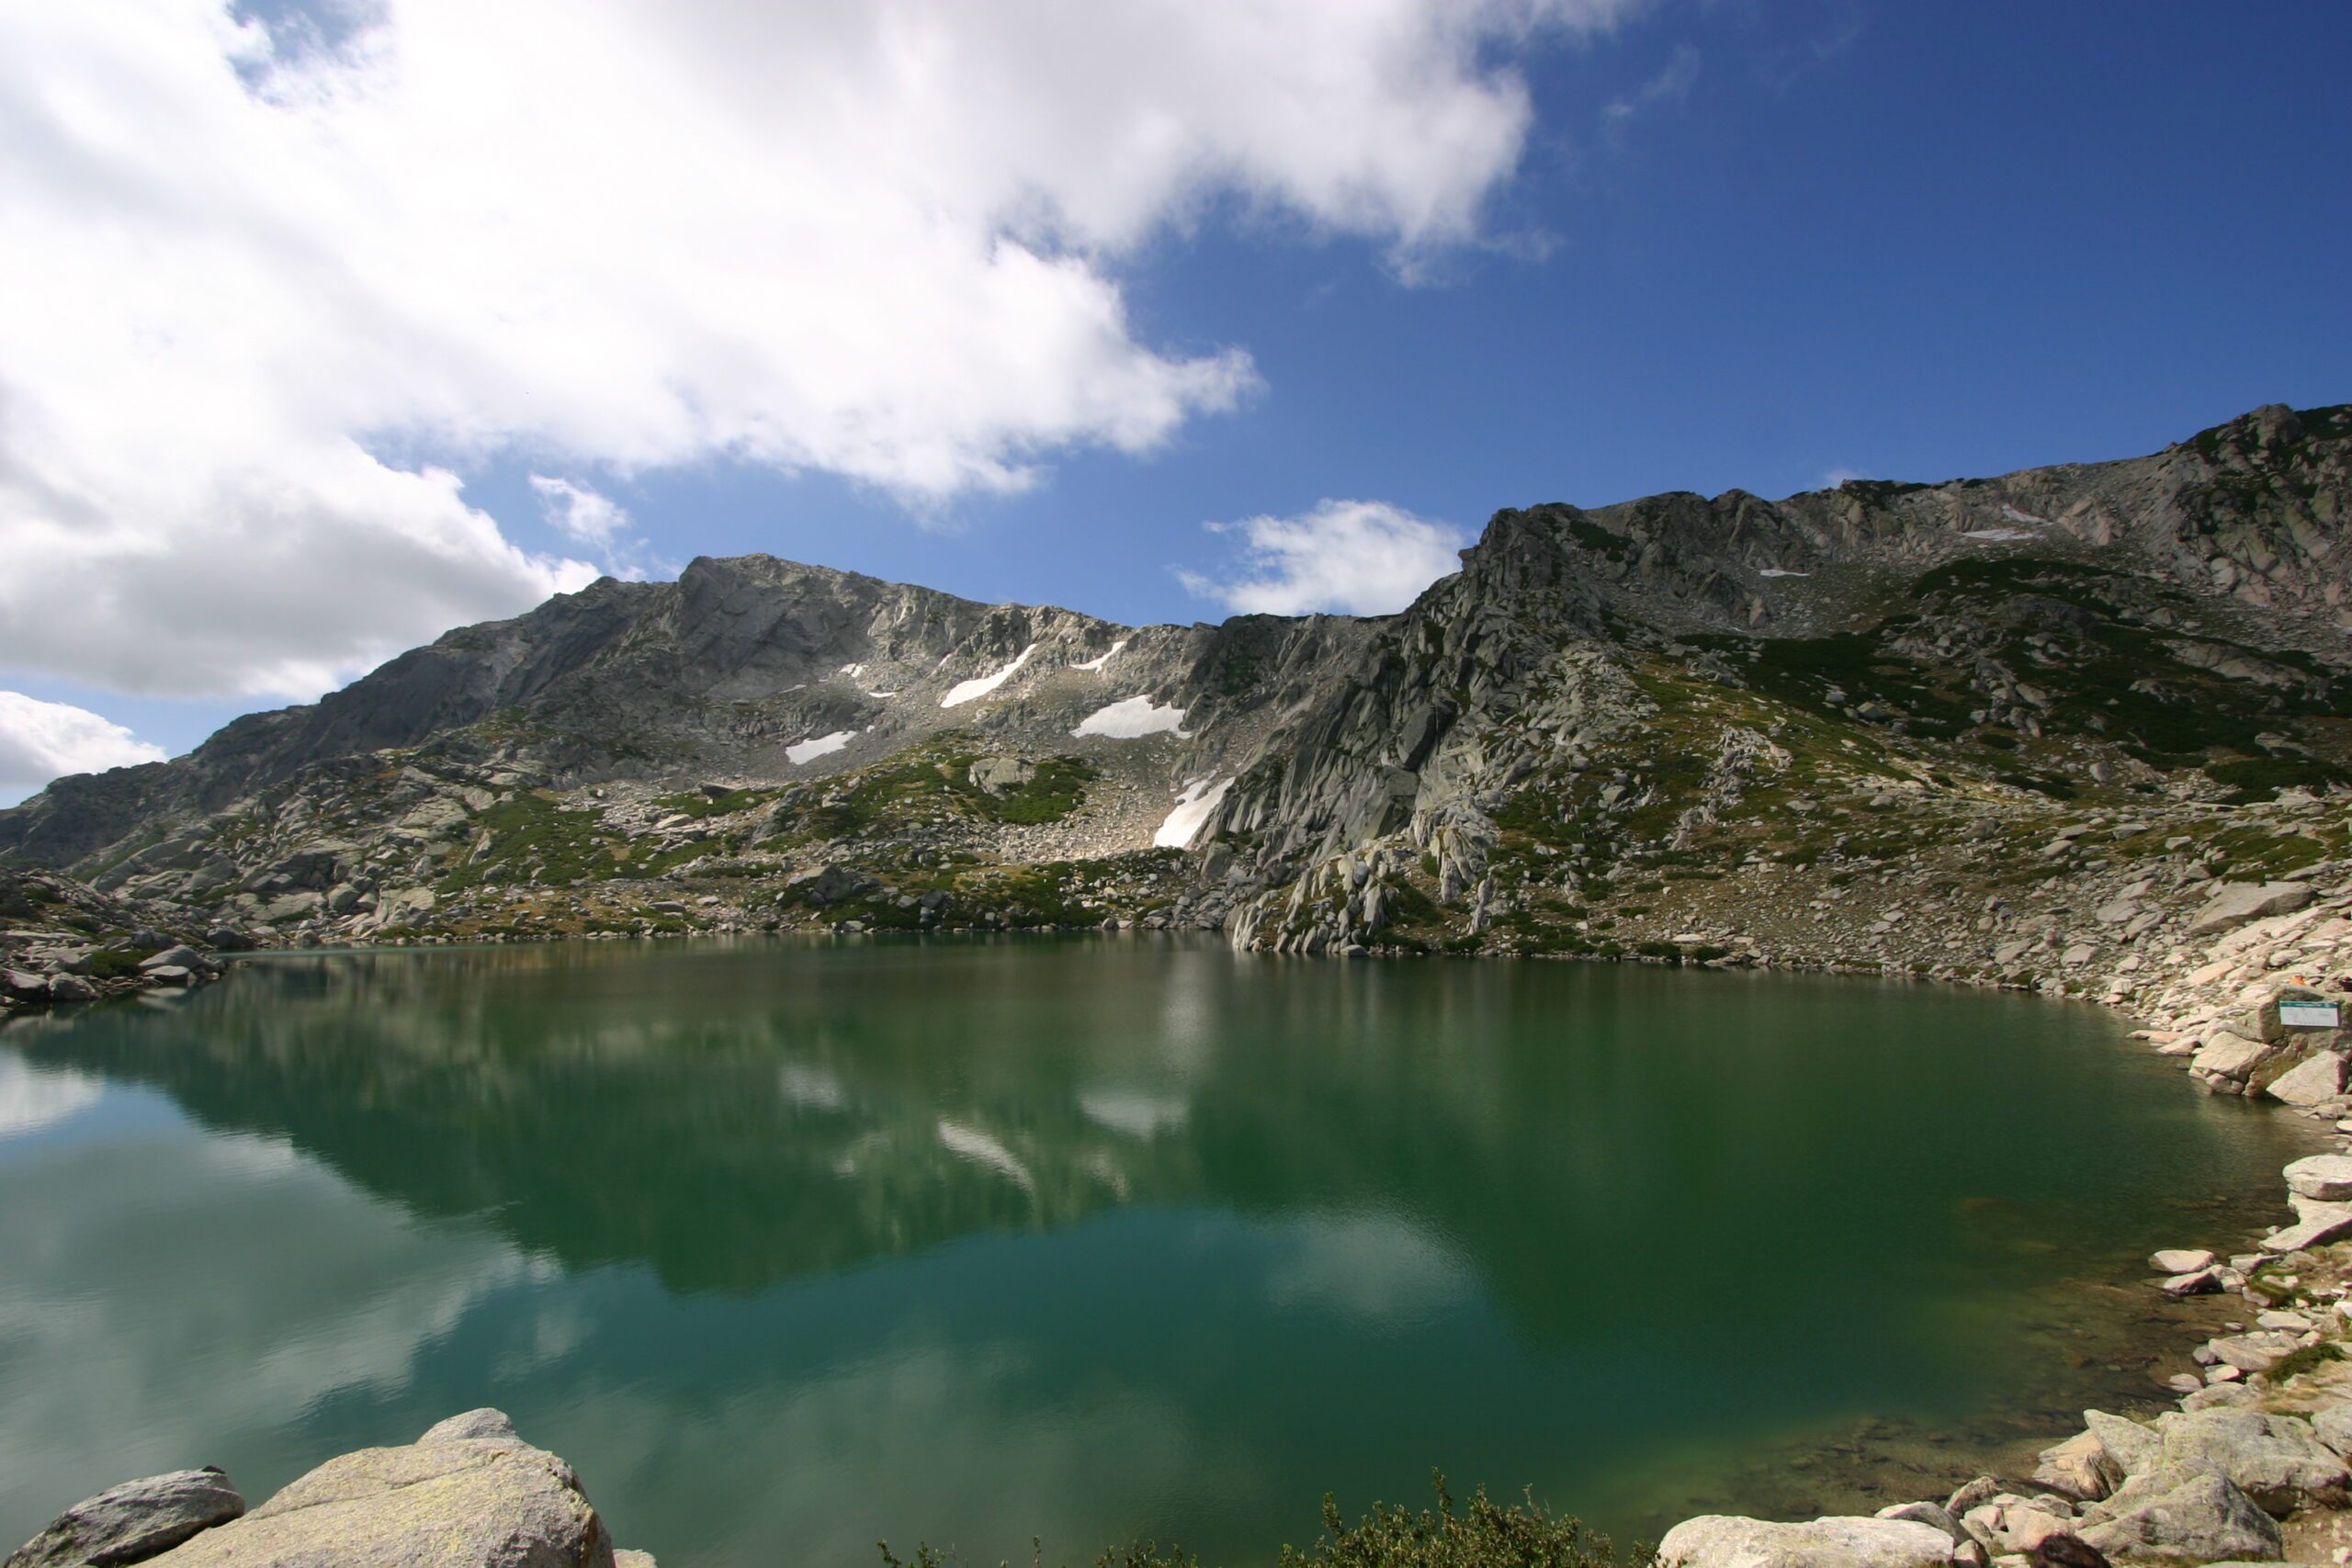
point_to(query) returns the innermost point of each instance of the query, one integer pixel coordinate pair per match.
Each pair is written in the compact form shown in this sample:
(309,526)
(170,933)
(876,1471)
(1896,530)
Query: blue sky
(1737,245)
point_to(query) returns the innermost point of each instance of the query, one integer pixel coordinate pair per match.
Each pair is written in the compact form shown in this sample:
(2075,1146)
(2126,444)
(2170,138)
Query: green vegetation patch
(533,839)
(700,804)
(930,782)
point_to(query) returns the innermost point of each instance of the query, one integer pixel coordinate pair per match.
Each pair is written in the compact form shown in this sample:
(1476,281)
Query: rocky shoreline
(62,942)
(2252,1464)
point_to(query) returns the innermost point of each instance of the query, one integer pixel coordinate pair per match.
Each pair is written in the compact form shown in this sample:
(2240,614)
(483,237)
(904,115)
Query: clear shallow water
(791,1248)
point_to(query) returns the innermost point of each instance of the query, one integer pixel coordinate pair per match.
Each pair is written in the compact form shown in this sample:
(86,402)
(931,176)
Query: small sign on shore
(2309,1015)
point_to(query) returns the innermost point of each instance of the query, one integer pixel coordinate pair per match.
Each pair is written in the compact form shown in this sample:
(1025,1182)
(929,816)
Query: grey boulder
(2315,1223)
(132,1522)
(2181,1260)
(2200,1519)
(2128,1445)
(2276,1460)
(1723,1540)
(2078,1467)
(2333,1427)
(2239,902)
(2319,1078)
(2327,1178)
(1934,1515)
(483,1422)
(1002,776)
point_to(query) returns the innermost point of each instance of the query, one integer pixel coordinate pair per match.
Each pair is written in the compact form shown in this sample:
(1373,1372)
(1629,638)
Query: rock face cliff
(1678,725)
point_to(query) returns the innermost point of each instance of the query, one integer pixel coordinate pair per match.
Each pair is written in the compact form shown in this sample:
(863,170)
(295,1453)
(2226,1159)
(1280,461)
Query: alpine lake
(792,1246)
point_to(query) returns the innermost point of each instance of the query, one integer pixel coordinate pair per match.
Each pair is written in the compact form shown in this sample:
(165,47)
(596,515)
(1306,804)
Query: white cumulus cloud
(1359,558)
(580,513)
(40,742)
(258,281)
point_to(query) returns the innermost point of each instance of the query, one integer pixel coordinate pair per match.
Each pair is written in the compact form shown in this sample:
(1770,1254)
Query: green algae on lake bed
(788,1246)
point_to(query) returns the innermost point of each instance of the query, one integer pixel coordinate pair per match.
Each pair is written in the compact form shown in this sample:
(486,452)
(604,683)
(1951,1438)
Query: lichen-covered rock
(450,1502)
(483,1423)
(133,1522)
(2276,1460)
(1721,1540)
(2194,1518)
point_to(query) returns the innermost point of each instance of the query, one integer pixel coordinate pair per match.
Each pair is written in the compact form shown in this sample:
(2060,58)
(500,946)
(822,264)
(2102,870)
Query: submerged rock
(2181,1260)
(132,1522)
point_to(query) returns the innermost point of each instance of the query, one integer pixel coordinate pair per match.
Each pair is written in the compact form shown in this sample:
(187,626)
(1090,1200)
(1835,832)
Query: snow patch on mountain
(1132,719)
(822,746)
(968,690)
(1193,807)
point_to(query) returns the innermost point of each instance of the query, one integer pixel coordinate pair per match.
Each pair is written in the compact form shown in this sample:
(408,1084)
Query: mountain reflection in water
(790,1245)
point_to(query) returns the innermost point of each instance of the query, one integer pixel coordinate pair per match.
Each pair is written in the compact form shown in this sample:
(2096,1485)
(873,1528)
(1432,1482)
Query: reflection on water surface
(791,1246)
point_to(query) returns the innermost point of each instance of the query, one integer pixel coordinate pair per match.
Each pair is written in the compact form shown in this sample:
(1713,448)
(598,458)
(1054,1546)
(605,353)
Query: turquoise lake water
(790,1247)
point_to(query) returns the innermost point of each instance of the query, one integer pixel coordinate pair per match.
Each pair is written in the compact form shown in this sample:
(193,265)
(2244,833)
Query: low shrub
(1486,1534)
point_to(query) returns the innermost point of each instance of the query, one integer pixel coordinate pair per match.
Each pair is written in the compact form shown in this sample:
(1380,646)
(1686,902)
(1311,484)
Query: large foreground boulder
(132,1522)
(453,1499)
(1724,1540)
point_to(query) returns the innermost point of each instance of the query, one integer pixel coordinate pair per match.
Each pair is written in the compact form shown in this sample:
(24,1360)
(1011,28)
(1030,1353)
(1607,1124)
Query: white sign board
(2308,1015)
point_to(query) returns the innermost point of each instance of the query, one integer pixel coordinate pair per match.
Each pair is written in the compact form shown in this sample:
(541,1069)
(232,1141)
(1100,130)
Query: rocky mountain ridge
(1933,728)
